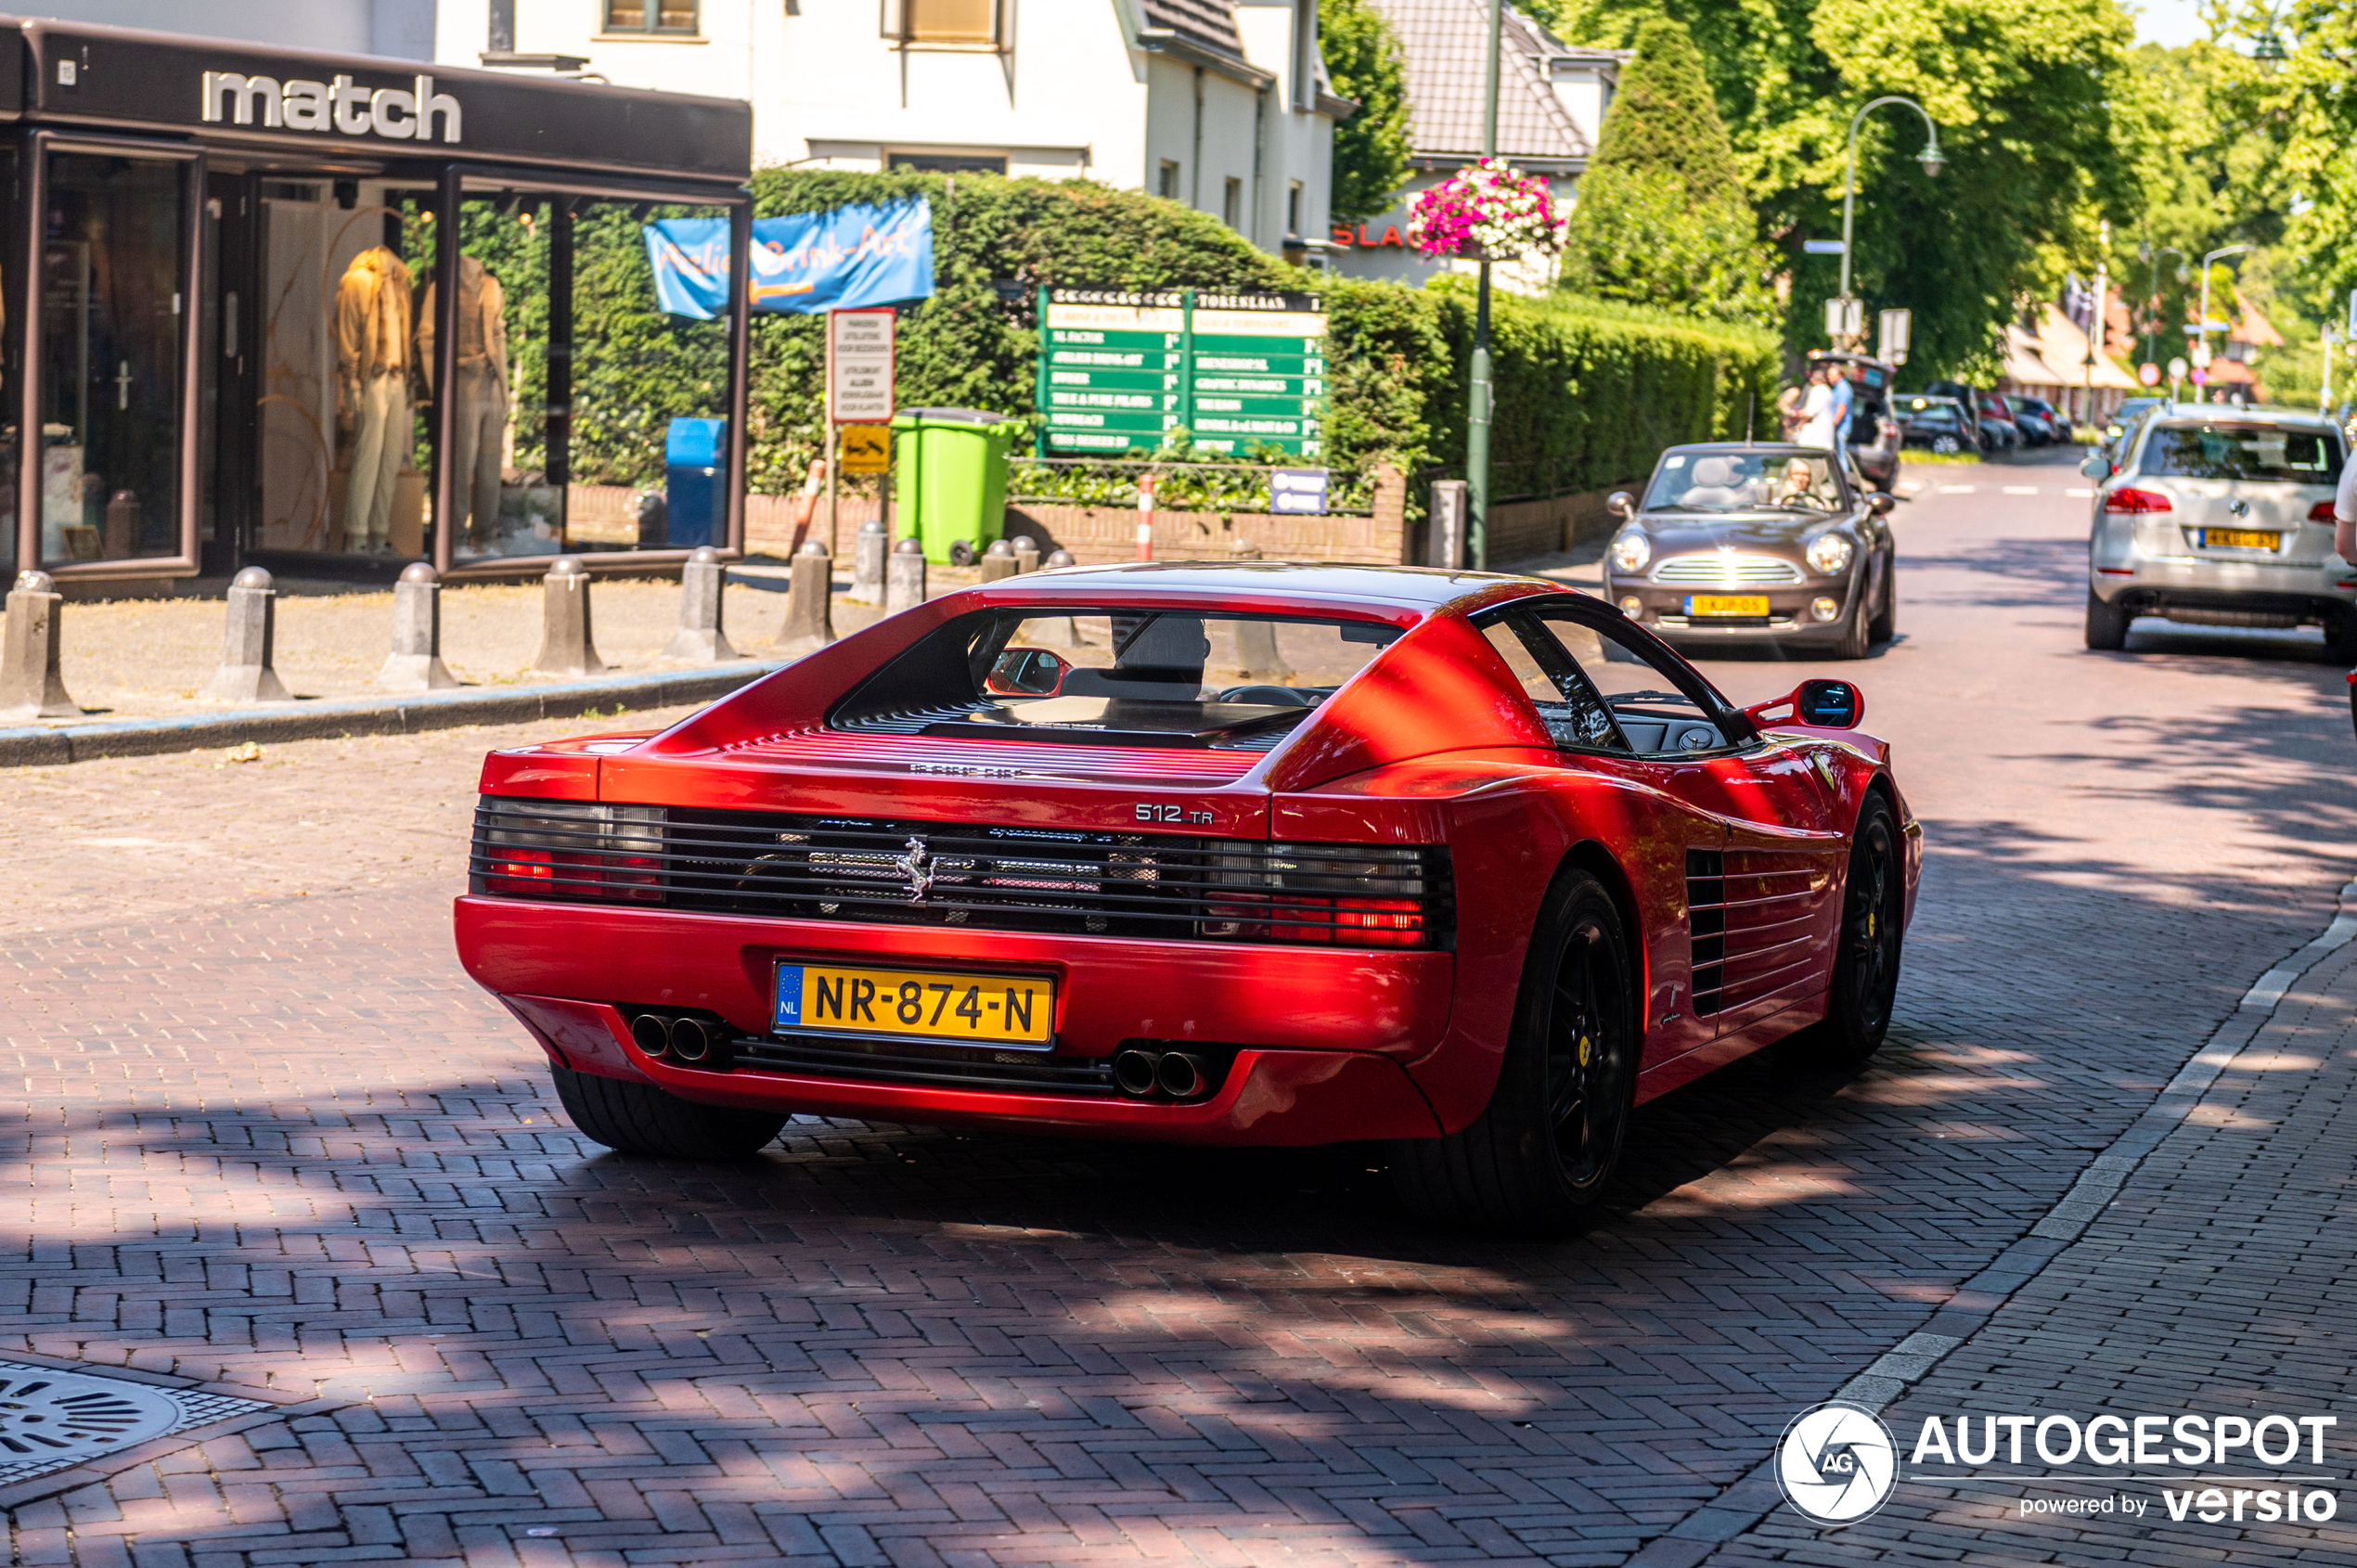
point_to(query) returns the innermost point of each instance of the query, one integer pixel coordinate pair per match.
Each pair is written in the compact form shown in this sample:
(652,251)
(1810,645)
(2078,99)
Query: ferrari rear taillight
(2127,500)
(569,849)
(1357,895)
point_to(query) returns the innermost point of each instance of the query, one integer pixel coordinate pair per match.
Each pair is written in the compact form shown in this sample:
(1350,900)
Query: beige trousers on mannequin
(381,436)
(481,431)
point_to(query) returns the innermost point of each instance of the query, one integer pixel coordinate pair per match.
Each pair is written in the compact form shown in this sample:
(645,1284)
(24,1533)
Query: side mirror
(2096,468)
(1819,704)
(1621,505)
(1027,671)
(1882,503)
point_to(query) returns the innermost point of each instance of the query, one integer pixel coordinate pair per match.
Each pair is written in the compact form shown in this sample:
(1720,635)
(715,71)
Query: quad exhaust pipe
(682,1037)
(1143,1074)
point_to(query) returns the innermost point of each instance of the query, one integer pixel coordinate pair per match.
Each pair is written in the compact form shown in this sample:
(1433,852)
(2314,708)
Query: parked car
(2221,519)
(1940,423)
(2057,420)
(1756,544)
(1873,431)
(2040,425)
(1203,854)
(1993,426)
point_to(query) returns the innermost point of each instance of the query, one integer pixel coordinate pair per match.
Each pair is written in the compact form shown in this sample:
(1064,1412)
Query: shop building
(332,314)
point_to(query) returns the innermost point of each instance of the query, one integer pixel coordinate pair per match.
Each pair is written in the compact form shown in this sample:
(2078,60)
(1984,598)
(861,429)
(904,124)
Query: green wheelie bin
(949,475)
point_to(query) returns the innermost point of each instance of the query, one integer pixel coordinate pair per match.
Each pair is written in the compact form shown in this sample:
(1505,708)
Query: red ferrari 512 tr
(1221,853)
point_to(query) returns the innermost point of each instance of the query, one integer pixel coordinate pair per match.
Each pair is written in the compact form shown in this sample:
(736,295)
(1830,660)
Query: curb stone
(39,745)
(1753,1497)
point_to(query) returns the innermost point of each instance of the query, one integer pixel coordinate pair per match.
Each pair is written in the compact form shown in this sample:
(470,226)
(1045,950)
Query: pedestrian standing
(1817,412)
(1845,400)
(1788,415)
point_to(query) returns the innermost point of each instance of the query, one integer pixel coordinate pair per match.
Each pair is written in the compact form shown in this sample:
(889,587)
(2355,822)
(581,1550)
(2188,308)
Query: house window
(1293,208)
(1168,188)
(1231,205)
(948,163)
(956,22)
(650,15)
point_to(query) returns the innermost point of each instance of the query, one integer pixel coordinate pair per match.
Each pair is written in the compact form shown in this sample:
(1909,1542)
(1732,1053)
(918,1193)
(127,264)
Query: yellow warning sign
(866,449)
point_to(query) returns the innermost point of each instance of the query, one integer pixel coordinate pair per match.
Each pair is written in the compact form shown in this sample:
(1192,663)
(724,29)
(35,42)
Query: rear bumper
(1318,1037)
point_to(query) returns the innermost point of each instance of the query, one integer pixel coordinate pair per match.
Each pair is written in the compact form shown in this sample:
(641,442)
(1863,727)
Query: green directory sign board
(1123,370)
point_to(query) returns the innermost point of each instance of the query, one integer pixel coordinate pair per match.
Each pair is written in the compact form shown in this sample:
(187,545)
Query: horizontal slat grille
(1721,568)
(979,877)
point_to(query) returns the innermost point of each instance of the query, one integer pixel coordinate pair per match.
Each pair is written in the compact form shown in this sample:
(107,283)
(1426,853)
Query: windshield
(1731,482)
(2251,451)
(1117,677)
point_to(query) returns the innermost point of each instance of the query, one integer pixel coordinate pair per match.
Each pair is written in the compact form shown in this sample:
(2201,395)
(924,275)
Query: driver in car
(1797,487)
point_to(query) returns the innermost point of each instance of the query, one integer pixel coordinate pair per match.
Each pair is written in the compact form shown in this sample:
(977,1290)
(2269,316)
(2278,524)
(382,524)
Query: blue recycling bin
(693,456)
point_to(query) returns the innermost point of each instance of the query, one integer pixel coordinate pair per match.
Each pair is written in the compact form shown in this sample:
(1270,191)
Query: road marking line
(2079,490)
(2021,489)
(1955,490)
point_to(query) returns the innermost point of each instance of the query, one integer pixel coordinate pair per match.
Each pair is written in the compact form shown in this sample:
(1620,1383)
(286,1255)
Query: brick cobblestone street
(263,1137)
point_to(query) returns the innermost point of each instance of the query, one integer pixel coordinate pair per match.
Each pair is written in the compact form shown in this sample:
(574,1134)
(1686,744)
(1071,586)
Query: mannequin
(480,411)
(372,391)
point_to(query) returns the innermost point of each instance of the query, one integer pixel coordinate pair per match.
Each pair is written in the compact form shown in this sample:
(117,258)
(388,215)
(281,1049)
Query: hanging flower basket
(1490,212)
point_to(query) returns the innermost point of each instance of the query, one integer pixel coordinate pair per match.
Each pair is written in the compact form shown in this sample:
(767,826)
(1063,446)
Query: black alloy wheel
(1874,916)
(1539,1155)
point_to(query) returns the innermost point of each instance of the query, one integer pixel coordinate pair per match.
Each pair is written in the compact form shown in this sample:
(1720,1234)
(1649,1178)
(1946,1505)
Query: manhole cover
(50,1419)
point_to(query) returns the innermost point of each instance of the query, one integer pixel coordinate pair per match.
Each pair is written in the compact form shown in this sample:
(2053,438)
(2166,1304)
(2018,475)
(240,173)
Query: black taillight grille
(981,877)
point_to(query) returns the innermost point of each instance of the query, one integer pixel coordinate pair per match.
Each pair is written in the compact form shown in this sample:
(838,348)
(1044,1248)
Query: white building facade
(1219,104)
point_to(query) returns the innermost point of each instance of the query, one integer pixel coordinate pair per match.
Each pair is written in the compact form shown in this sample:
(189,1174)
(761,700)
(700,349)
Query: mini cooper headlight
(1829,553)
(1631,551)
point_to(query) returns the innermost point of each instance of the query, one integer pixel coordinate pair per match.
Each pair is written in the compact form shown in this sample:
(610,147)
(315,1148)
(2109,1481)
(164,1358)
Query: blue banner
(811,262)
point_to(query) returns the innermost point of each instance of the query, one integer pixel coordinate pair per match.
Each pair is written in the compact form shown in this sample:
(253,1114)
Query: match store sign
(859,346)
(1121,371)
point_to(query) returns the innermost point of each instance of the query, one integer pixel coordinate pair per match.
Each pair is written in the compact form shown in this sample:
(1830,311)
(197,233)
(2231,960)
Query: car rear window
(1115,677)
(2260,451)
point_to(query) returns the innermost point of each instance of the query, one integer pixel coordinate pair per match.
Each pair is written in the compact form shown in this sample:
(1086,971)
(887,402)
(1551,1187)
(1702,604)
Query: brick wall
(1097,535)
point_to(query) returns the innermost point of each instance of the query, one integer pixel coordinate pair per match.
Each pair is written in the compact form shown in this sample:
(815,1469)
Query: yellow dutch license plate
(1001,1009)
(1726,604)
(2241,538)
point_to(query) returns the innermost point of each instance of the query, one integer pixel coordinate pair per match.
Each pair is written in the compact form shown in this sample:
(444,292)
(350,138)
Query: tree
(2039,119)
(1371,148)
(1660,218)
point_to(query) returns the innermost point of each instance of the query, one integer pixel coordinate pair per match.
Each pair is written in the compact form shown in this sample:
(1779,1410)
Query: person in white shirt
(1818,413)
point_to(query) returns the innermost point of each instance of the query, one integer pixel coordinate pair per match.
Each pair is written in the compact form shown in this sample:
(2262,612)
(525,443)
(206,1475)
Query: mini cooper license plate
(2241,539)
(999,1009)
(1726,604)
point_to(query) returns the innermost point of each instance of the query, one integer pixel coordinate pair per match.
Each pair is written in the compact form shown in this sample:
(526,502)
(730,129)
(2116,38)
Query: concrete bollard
(904,577)
(567,646)
(30,687)
(998,561)
(414,664)
(868,553)
(1062,557)
(245,674)
(700,636)
(1026,553)
(810,611)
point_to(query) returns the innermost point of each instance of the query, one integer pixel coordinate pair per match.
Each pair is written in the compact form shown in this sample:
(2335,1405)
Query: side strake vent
(1707,925)
(982,877)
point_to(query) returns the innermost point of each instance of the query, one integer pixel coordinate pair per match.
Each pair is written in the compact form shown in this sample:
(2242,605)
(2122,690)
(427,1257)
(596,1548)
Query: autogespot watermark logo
(1836,1462)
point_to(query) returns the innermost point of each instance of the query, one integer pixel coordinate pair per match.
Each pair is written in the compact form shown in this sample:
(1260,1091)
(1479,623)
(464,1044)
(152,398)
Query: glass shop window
(110,296)
(346,447)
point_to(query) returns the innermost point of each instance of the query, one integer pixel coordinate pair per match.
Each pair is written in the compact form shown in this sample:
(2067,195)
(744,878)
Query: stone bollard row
(1026,553)
(810,619)
(567,645)
(700,636)
(414,664)
(904,577)
(31,685)
(998,561)
(245,674)
(867,552)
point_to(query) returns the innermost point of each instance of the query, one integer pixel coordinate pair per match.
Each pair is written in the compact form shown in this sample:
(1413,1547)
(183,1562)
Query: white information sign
(859,366)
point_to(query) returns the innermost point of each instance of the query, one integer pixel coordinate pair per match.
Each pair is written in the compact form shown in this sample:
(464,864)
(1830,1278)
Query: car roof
(2199,413)
(1309,586)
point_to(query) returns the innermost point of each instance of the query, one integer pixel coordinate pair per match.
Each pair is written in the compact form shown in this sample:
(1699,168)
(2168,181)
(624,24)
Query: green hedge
(1587,392)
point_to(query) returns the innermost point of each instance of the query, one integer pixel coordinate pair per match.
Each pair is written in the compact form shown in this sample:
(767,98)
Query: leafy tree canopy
(1371,148)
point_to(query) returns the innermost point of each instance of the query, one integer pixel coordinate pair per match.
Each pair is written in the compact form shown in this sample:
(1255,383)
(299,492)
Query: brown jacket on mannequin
(483,322)
(372,325)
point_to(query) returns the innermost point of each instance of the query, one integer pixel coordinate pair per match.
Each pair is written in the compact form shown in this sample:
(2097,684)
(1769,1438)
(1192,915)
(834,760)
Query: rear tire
(2341,639)
(1538,1158)
(1874,916)
(637,1118)
(2106,624)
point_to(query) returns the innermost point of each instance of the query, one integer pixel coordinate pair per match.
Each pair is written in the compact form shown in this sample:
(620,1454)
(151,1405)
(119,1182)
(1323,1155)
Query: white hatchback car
(2221,518)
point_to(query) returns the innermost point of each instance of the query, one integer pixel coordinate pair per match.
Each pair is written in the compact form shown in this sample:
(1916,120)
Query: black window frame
(1520,616)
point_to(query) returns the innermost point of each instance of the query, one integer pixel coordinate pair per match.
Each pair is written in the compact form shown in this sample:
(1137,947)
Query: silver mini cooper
(2221,518)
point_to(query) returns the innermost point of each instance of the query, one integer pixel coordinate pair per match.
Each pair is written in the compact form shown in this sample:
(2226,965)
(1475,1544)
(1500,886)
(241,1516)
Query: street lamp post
(2152,292)
(1930,158)
(1478,414)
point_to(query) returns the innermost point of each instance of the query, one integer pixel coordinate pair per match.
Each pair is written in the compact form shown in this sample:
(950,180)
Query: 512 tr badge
(1150,812)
